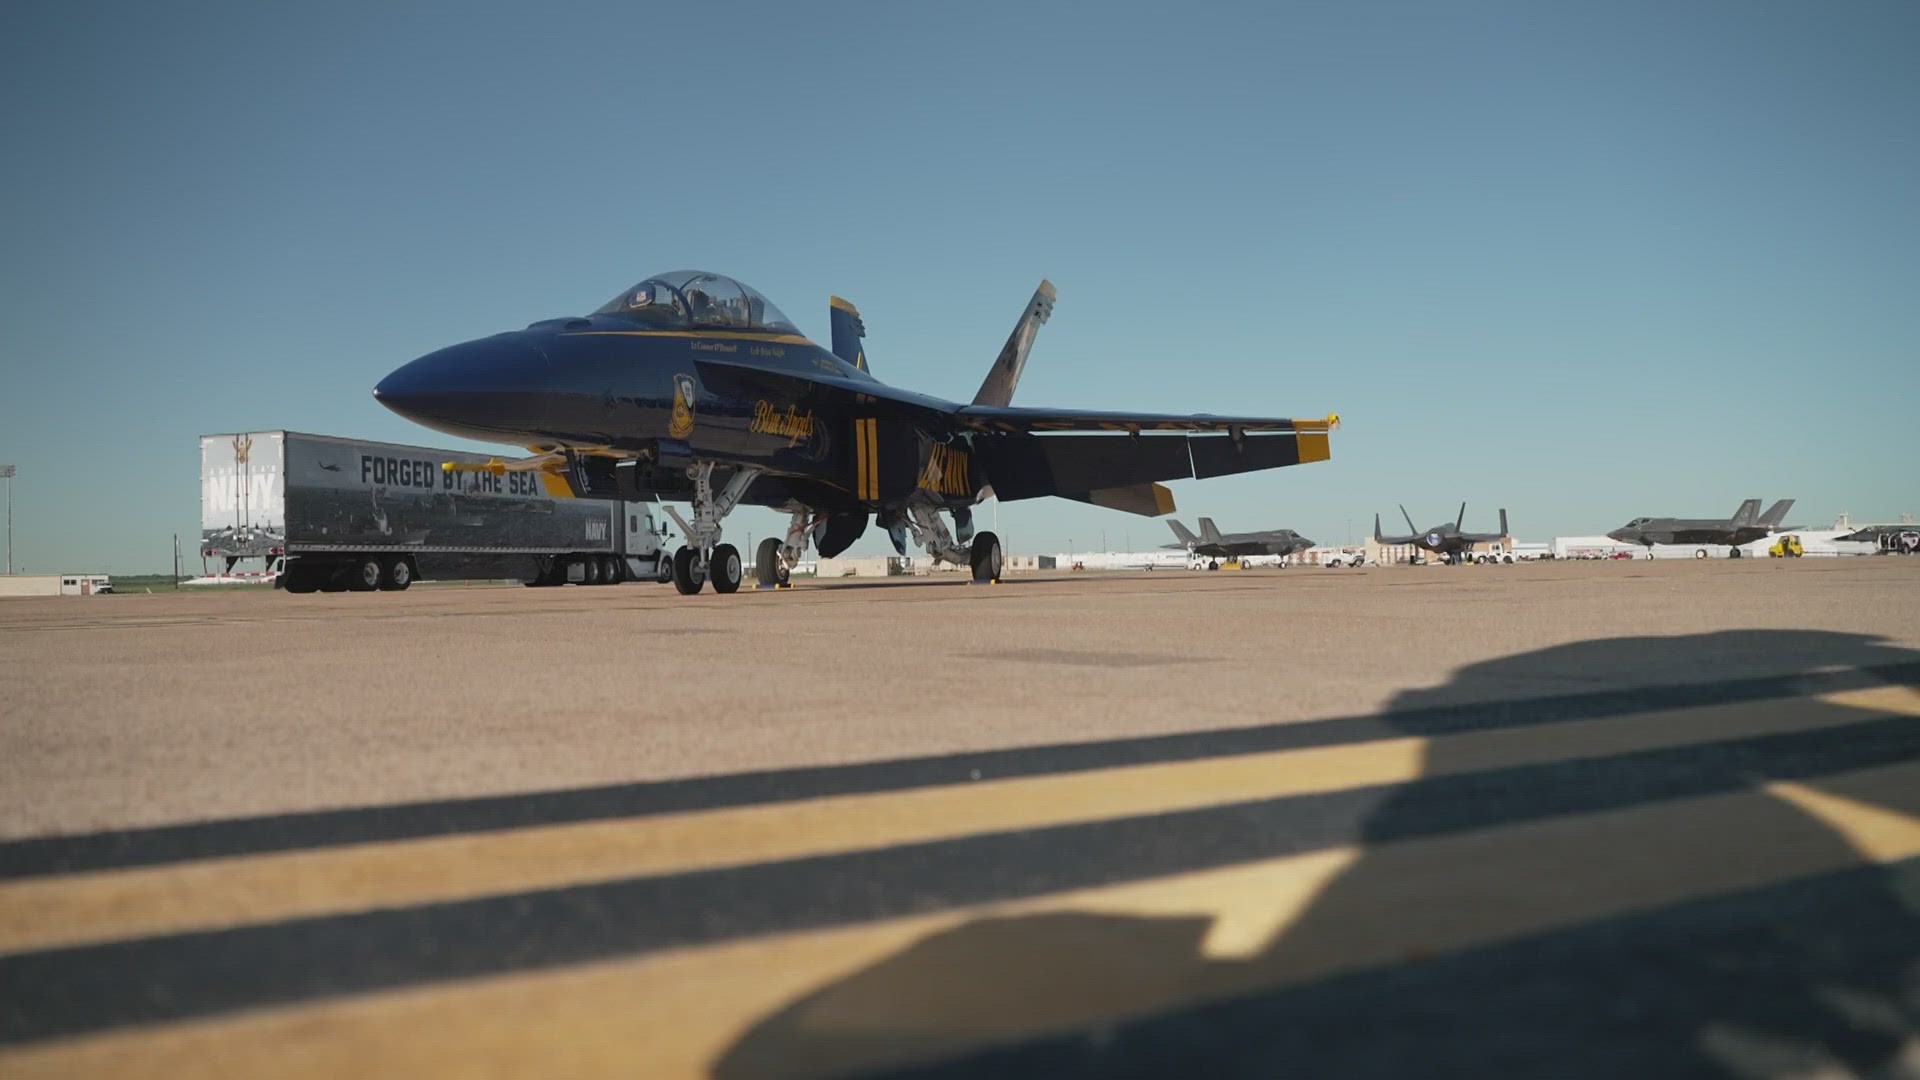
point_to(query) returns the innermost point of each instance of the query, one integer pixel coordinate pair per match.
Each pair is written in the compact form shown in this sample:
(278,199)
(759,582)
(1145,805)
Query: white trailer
(319,513)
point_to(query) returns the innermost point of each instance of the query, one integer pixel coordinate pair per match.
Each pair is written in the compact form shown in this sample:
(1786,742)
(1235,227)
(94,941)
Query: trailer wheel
(398,575)
(367,574)
(615,570)
(296,579)
(589,571)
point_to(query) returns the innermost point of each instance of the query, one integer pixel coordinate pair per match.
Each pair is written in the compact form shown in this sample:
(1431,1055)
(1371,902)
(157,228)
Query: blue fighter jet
(692,387)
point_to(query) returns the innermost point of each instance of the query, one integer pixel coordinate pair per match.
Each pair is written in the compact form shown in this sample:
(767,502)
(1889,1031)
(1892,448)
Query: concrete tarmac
(1582,818)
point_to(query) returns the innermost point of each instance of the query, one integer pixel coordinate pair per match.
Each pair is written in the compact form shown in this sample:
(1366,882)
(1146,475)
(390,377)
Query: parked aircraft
(693,387)
(1214,545)
(1745,526)
(1445,539)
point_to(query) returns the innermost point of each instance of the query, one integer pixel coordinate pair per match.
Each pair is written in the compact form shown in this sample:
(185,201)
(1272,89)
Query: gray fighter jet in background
(1745,526)
(1212,544)
(1445,539)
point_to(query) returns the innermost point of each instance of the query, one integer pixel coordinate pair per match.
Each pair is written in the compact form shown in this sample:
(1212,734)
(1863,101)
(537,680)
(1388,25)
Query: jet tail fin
(998,388)
(848,329)
(1776,513)
(1503,522)
(1209,532)
(1378,536)
(1181,533)
(1748,514)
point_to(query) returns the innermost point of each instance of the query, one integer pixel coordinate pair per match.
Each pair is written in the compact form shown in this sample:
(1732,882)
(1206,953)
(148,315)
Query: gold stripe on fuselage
(873,459)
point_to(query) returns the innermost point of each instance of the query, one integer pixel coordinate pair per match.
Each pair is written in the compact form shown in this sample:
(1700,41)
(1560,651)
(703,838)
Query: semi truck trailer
(325,514)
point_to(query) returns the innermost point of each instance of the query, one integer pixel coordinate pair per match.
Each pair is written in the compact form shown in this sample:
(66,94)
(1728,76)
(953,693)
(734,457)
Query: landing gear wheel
(663,568)
(689,571)
(613,570)
(1733,553)
(590,571)
(768,567)
(397,575)
(1213,565)
(724,569)
(985,558)
(367,574)
(1700,554)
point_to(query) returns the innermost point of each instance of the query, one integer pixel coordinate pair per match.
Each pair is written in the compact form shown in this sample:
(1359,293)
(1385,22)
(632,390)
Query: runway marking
(100,906)
(157,845)
(929,987)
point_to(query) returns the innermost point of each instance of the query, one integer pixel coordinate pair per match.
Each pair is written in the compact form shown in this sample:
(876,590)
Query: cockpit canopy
(1637,522)
(695,299)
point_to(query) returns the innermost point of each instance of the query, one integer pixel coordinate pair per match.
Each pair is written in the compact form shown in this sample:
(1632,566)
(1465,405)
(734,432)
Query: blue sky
(1583,261)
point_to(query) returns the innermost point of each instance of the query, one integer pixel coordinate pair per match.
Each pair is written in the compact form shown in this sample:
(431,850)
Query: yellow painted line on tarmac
(925,988)
(96,906)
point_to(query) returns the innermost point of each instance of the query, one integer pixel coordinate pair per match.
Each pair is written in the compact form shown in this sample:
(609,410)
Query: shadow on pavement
(1670,943)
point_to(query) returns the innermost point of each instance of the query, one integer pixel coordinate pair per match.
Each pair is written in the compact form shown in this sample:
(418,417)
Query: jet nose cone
(1617,534)
(472,390)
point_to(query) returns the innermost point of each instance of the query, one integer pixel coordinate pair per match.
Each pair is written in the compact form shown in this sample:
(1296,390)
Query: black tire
(366,575)
(768,567)
(296,579)
(396,574)
(1700,554)
(1733,553)
(614,570)
(663,568)
(589,571)
(687,577)
(985,559)
(725,569)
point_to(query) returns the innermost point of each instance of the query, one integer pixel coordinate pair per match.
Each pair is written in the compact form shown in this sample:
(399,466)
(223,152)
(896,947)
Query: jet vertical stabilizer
(1181,533)
(1209,532)
(1776,514)
(848,329)
(1747,515)
(998,388)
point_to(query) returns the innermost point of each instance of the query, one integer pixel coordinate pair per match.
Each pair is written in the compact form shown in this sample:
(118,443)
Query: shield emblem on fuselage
(682,424)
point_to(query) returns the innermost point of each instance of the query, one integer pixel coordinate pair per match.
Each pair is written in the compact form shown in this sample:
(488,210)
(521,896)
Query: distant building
(55,585)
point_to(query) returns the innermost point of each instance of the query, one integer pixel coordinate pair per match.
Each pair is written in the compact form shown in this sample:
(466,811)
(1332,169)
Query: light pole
(7,472)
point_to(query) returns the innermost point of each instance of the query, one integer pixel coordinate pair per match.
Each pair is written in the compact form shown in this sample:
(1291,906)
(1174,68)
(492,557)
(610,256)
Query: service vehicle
(327,514)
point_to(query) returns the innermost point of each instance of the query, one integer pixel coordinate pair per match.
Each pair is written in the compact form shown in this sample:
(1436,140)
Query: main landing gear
(979,553)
